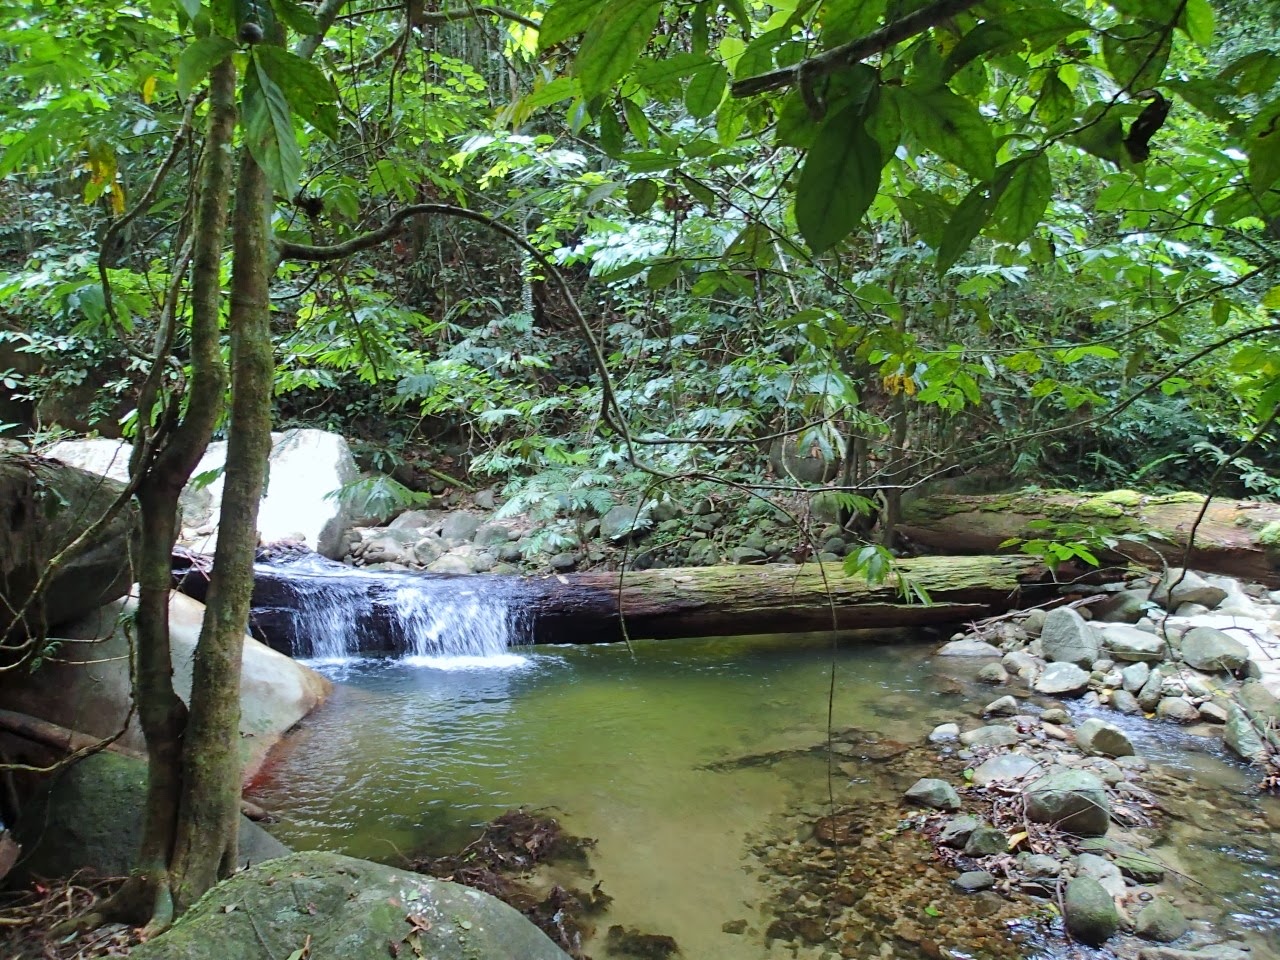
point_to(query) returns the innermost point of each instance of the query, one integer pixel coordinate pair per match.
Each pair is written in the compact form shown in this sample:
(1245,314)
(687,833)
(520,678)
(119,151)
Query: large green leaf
(565,19)
(268,127)
(967,222)
(706,90)
(309,92)
(296,17)
(1023,202)
(195,62)
(838,181)
(613,42)
(1136,53)
(951,127)
(1264,146)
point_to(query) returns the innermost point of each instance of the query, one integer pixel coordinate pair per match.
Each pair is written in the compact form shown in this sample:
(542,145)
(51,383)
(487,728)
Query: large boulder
(1089,911)
(1178,586)
(349,909)
(88,686)
(1067,638)
(804,461)
(307,468)
(1212,650)
(1131,645)
(46,506)
(1073,800)
(89,817)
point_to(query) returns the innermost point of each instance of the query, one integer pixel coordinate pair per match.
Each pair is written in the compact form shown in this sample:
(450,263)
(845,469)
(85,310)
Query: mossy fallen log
(1240,538)
(727,600)
(687,602)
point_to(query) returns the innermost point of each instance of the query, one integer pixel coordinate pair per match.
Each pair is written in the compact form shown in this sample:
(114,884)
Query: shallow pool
(676,756)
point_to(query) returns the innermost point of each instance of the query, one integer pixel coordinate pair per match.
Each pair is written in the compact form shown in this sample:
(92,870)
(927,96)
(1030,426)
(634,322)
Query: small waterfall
(316,609)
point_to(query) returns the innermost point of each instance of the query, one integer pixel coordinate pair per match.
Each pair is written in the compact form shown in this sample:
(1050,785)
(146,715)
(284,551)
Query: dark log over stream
(685,602)
(1239,538)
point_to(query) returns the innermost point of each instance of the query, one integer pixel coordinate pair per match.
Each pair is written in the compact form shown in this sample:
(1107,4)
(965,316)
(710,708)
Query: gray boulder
(90,817)
(1103,739)
(452,563)
(1242,737)
(46,506)
(347,908)
(624,521)
(1062,679)
(992,735)
(1205,648)
(986,842)
(1033,622)
(1127,606)
(1089,912)
(1129,644)
(1073,800)
(1177,710)
(1067,638)
(1122,701)
(460,525)
(1134,676)
(1006,766)
(956,831)
(802,460)
(1179,586)
(973,881)
(89,686)
(935,794)
(1152,691)
(492,535)
(968,647)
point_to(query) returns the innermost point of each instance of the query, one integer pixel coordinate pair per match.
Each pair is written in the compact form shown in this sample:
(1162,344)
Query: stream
(697,766)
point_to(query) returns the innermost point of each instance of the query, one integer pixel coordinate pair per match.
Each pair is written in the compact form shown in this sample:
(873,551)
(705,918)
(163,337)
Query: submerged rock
(1160,921)
(345,907)
(1090,913)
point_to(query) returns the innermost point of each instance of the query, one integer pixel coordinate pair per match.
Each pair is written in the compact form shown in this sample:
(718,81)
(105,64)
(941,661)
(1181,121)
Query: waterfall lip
(335,612)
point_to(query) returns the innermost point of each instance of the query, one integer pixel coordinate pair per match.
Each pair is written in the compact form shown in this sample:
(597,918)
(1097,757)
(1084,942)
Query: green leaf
(1023,202)
(845,20)
(838,181)
(297,17)
(613,42)
(197,60)
(1197,21)
(190,7)
(663,273)
(637,122)
(951,127)
(268,127)
(309,92)
(1136,53)
(1256,72)
(641,195)
(1102,134)
(565,19)
(966,223)
(612,136)
(1264,147)
(656,73)
(1055,102)
(706,90)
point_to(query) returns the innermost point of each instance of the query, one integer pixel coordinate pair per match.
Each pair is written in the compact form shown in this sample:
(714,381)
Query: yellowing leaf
(149,89)
(1016,839)
(117,199)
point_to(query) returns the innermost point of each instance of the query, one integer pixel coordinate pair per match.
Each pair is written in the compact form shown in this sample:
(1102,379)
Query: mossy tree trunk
(163,462)
(209,806)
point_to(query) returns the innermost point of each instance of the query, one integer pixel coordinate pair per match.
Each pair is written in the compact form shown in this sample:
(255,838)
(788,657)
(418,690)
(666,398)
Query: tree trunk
(1240,538)
(727,600)
(208,813)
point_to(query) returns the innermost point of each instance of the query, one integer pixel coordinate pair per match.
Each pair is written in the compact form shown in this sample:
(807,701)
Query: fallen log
(1239,538)
(591,607)
(728,600)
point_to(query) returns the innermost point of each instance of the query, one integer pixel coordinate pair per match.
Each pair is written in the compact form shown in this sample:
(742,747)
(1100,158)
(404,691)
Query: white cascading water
(455,630)
(336,613)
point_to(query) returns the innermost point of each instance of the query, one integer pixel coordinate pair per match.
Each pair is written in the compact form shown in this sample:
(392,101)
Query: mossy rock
(89,817)
(348,909)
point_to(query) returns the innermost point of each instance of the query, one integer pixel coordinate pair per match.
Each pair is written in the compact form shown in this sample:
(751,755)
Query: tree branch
(855,51)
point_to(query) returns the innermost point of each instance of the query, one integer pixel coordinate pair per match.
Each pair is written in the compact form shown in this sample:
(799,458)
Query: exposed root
(62,920)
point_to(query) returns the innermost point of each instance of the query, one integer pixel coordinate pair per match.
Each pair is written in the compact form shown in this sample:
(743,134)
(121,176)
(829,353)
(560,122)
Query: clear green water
(409,759)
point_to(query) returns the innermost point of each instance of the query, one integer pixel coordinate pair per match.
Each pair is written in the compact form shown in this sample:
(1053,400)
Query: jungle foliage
(589,244)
